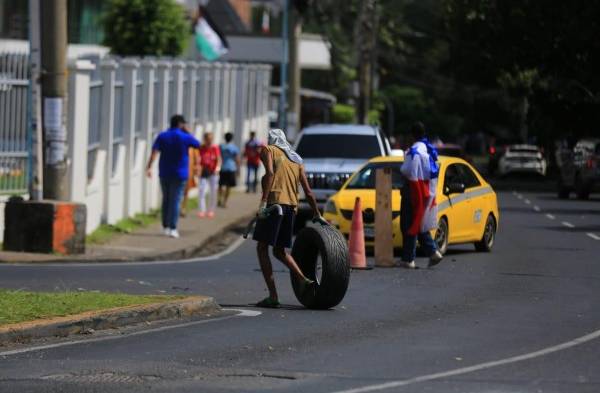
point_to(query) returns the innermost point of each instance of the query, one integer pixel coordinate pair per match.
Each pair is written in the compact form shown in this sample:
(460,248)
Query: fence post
(189,106)
(108,70)
(216,95)
(225,112)
(163,93)
(148,70)
(130,71)
(178,78)
(77,127)
(204,74)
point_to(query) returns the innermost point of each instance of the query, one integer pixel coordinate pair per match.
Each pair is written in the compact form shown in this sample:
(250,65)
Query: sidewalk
(150,244)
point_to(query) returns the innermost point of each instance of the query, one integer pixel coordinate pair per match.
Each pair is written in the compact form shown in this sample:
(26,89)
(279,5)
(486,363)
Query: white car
(522,159)
(332,153)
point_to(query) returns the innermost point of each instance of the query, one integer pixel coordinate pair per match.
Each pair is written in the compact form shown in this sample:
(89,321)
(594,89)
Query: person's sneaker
(174,234)
(435,258)
(201,214)
(408,265)
(166,231)
(211,215)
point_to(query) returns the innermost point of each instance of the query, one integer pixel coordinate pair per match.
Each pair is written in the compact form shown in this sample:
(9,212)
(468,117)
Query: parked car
(522,159)
(332,153)
(579,169)
(467,204)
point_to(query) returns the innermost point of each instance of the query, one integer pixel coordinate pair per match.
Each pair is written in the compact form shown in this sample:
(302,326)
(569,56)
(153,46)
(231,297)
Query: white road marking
(519,196)
(477,367)
(537,208)
(550,216)
(593,236)
(568,224)
(232,247)
(527,202)
(241,313)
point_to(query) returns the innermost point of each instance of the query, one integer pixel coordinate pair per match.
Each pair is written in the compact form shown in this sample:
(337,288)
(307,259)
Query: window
(365,179)
(452,175)
(469,178)
(338,146)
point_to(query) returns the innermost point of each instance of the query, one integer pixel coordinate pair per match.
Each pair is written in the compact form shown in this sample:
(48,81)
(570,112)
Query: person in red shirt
(210,165)
(252,154)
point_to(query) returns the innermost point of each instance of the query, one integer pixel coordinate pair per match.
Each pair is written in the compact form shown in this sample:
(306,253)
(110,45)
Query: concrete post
(216,97)
(77,127)
(130,102)
(108,69)
(225,114)
(204,75)
(148,71)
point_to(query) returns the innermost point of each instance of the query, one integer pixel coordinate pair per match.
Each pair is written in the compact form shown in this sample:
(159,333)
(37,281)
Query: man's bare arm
(310,197)
(267,182)
(150,162)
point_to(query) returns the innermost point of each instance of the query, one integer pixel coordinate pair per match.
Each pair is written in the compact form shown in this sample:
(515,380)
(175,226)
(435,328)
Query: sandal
(268,302)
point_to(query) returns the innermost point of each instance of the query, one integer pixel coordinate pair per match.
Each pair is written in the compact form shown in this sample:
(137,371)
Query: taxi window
(452,175)
(365,179)
(470,180)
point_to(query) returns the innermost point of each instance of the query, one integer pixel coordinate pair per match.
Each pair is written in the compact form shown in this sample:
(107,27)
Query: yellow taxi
(467,204)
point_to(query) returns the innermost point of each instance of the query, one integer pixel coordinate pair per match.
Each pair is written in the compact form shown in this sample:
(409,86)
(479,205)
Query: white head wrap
(277,138)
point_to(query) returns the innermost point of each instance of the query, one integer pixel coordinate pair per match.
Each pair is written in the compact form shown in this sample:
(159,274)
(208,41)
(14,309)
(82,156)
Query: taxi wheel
(441,235)
(489,235)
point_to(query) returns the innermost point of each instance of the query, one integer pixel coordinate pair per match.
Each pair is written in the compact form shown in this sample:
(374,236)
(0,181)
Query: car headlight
(330,207)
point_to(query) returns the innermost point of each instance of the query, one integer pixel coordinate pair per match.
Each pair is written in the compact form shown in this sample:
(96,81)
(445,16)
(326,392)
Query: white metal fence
(14,81)
(116,107)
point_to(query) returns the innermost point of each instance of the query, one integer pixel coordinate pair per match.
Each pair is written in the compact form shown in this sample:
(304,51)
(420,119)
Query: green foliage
(344,114)
(20,306)
(145,27)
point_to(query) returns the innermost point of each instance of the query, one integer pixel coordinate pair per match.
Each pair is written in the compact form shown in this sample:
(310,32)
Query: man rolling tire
(284,173)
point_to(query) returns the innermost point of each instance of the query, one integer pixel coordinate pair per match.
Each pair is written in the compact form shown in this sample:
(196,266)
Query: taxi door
(457,206)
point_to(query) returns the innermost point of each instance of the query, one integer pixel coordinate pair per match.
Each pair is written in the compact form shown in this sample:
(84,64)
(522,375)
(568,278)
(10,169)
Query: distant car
(522,159)
(579,169)
(467,204)
(332,153)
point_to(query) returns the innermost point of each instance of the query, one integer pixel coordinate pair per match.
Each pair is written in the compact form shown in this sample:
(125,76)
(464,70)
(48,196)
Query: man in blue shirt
(173,169)
(230,156)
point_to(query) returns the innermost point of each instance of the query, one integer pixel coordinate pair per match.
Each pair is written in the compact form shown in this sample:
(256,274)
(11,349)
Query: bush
(145,27)
(344,114)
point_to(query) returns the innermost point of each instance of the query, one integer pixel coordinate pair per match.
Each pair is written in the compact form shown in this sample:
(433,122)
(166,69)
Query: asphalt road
(524,318)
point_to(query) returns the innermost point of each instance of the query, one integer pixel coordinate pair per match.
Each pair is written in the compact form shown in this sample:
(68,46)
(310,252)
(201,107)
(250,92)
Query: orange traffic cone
(356,247)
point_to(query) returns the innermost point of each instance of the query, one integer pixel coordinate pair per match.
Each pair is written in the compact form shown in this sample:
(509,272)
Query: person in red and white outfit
(418,211)
(210,165)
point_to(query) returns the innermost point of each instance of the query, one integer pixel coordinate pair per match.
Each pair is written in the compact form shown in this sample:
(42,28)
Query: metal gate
(14,157)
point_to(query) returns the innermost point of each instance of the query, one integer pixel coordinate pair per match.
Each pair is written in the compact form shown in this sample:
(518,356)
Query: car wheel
(489,235)
(441,235)
(321,252)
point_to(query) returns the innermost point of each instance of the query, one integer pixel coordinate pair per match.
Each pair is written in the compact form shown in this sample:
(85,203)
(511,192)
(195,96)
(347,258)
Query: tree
(145,27)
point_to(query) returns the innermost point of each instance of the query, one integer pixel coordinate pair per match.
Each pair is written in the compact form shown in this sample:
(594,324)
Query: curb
(183,253)
(108,319)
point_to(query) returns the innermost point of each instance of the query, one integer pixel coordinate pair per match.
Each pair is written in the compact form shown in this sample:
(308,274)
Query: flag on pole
(211,43)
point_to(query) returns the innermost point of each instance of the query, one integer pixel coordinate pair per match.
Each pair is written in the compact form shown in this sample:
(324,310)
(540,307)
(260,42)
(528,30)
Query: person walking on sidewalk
(252,154)
(210,164)
(172,145)
(284,173)
(418,210)
(230,155)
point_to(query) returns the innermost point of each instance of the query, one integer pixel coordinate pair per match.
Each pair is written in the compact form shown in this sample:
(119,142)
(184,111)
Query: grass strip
(21,306)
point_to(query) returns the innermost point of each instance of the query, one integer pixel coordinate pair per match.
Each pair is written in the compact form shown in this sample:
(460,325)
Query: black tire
(489,235)
(441,235)
(326,245)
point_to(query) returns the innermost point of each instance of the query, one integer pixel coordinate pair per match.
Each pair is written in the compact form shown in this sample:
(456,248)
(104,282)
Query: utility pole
(54,93)
(34,113)
(294,103)
(366,38)
(283,67)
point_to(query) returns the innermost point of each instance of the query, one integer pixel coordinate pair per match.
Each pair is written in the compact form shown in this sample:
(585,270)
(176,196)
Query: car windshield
(338,146)
(530,150)
(365,179)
